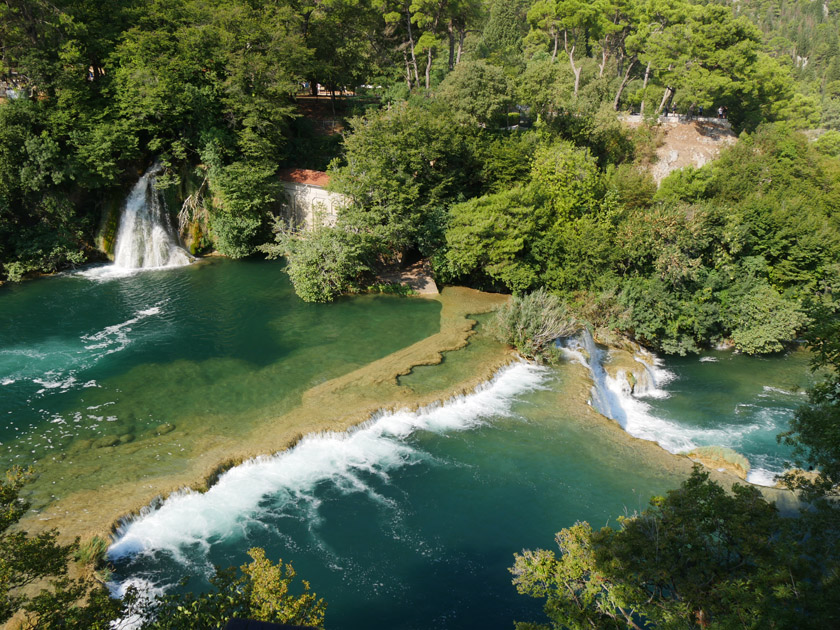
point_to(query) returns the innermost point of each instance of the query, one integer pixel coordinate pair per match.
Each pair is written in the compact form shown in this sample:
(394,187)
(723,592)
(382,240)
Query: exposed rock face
(687,142)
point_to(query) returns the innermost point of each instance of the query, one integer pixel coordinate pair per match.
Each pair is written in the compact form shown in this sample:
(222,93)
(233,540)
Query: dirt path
(418,277)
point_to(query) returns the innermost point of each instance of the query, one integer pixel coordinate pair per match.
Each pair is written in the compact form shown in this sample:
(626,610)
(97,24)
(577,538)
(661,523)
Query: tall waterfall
(146,238)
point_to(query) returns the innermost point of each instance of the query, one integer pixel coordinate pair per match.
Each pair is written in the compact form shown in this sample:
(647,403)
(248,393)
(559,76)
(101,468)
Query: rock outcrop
(693,142)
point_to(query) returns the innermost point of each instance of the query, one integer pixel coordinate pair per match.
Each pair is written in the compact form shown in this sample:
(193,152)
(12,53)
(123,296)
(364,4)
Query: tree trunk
(575,69)
(407,70)
(556,44)
(669,93)
(411,44)
(305,31)
(428,68)
(462,34)
(451,33)
(603,64)
(624,83)
(644,88)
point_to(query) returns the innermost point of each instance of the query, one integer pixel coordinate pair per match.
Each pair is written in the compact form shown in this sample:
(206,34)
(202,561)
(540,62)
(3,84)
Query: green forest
(482,135)
(488,137)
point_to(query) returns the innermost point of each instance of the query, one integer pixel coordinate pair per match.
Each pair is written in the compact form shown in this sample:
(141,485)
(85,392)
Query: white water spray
(146,238)
(621,397)
(192,519)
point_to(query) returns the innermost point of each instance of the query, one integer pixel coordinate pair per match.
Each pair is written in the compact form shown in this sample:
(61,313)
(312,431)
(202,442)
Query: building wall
(308,206)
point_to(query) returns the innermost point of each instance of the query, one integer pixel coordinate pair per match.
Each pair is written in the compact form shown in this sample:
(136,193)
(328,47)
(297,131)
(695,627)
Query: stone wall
(307,206)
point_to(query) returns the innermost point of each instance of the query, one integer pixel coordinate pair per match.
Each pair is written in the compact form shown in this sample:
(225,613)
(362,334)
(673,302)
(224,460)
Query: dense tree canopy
(493,148)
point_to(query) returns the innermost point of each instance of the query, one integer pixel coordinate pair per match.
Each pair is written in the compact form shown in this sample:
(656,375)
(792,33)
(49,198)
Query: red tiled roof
(304,176)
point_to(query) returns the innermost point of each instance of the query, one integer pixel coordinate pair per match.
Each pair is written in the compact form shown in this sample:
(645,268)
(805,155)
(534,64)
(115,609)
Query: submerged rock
(163,429)
(106,441)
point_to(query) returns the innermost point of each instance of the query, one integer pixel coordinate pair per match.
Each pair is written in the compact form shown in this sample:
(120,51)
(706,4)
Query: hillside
(687,143)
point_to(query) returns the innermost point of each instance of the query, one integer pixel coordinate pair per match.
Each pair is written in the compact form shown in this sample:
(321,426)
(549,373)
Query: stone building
(307,203)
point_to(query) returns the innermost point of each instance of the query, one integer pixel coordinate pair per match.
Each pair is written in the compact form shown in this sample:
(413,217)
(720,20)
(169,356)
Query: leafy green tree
(709,55)
(545,87)
(247,192)
(430,18)
(815,429)
(324,263)
(568,179)
(27,561)
(762,319)
(493,236)
(525,236)
(403,167)
(699,557)
(260,592)
(478,93)
(545,22)
(576,19)
(505,28)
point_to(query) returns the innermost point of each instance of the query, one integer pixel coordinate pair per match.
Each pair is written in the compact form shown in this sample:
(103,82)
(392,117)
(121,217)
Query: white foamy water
(762,477)
(146,238)
(115,338)
(189,518)
(616,398)
(147,592)
(56,364)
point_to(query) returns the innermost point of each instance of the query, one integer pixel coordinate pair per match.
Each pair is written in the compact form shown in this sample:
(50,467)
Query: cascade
(604,398)
(620,395)
(146,238)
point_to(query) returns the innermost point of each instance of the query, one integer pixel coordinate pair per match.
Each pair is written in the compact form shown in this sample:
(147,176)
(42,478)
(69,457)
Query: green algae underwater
(123,389)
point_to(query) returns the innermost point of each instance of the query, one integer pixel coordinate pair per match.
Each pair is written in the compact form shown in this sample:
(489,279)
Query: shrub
(322,264)
(532,323)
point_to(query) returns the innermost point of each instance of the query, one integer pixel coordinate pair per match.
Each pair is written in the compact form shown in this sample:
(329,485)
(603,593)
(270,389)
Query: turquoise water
(412,521)
(92,364)
(407,522)
(724,399)
(738,401)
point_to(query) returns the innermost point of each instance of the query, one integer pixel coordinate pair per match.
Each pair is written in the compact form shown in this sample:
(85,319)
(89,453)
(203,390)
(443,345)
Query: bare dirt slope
(687,142)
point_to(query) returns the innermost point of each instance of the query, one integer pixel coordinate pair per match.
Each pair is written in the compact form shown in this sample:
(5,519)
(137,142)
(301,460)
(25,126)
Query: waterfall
(620,396)
(605,400)
(146,238)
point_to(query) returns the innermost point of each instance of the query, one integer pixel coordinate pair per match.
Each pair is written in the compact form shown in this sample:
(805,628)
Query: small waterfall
(189,519)
(146,238)
(619,396)
(604,398)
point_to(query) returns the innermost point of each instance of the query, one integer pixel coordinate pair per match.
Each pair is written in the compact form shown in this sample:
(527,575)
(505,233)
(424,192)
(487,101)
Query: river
(111,382)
